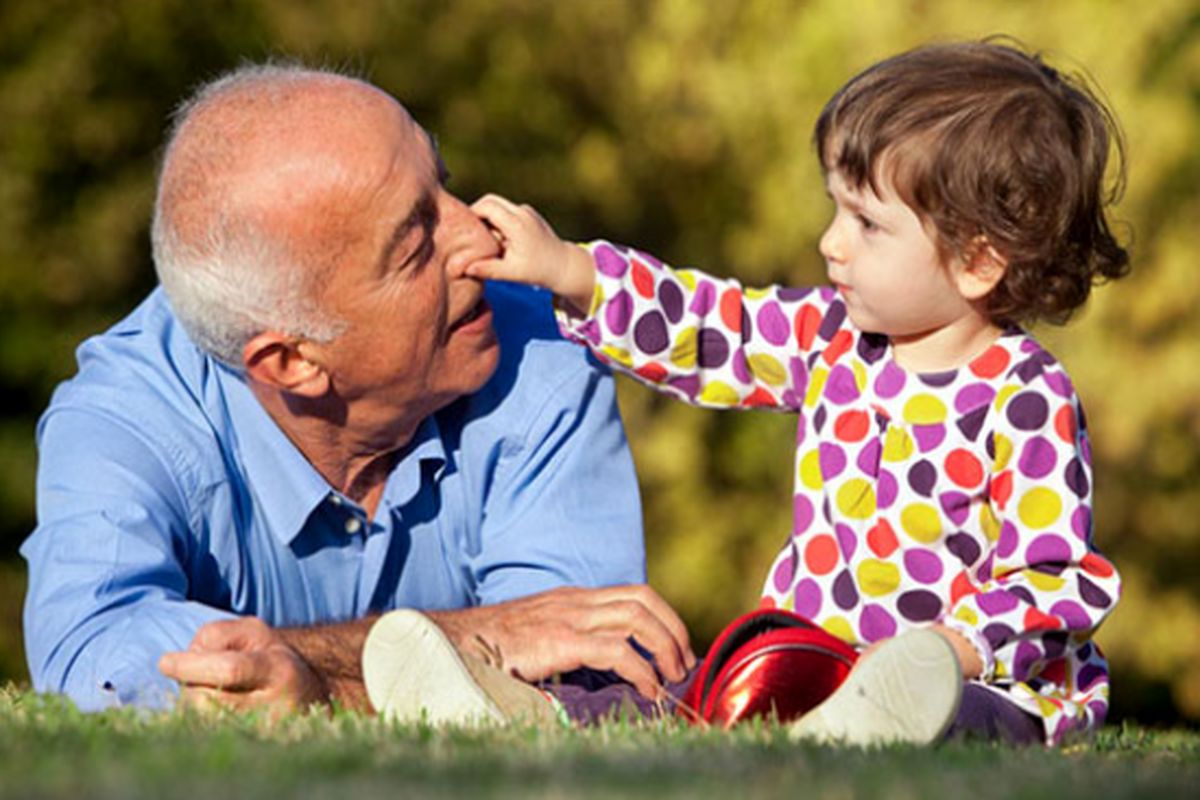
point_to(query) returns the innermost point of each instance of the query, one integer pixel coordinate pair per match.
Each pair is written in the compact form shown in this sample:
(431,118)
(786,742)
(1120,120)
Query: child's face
(885,263)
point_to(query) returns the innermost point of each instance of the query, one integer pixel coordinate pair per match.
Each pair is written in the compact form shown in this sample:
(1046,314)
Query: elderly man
(318,418)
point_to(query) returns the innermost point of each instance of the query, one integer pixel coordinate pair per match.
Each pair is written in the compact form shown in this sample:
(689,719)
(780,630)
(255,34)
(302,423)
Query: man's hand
(243,663)
(533,253)
(564,629)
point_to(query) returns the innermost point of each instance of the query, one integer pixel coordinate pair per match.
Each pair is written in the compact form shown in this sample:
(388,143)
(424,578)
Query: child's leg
(988,716)
(588,697)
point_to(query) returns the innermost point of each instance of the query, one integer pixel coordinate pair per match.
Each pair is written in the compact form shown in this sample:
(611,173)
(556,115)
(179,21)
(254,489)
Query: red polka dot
(1055,671)
(807,323)
(852,426)
(838,347)
(960,587)
(651,372)
(964,468)
(759,398)
(643,281)
(766,602)
(1041,621)
(1097,565)
(1002,488)
(821,554)
(1064,424)
(882,539)
(731,310)
(991,363)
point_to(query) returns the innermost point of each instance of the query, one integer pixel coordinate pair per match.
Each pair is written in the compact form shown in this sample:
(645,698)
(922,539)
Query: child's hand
(533,253)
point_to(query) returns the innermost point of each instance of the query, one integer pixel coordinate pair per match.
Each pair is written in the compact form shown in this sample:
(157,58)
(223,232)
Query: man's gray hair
(227,277)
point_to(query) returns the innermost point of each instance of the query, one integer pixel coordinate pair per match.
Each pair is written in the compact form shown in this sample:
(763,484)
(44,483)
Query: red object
(767,662)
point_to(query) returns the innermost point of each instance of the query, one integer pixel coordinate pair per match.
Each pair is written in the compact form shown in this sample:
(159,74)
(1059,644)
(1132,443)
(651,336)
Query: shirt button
(336,499)
(353,525)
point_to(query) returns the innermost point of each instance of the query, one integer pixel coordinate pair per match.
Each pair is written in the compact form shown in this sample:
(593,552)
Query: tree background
(682,126)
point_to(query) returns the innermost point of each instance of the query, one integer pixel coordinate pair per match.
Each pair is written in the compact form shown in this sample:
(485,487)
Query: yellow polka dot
(921,522)
(755,292)
(856,499)
(840,627)
(860,375)
(989,523)
(897,444)
(967,615)
(789,603)
(1001,670)
(719,394)
(597,299)
(617,354)
(877,578)
(687,277)
(1044,582)
(1004,451)
(816,385)
(924,409)
(1003,395)
(683,352)
(1039,507)
(767,369)
(810,470)
(1047,708)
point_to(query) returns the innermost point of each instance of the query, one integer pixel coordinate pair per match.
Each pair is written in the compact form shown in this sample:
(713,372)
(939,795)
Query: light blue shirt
(167,498)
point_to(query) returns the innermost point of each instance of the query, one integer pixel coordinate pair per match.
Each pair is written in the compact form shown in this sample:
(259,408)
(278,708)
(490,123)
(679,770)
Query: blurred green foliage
(681,126)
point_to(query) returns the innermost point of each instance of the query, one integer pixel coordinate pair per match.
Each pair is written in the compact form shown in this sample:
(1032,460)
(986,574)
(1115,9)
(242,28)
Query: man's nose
(467,237)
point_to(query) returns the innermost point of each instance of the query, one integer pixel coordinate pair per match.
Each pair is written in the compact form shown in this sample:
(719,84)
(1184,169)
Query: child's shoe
(413,673)
(907,690)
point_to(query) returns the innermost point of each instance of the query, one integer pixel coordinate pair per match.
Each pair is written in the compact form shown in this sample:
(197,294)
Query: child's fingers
(501,213)
(495,269)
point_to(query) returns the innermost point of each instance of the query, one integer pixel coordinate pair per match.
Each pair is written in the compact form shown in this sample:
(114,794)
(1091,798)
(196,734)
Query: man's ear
(276,360)
(980,268)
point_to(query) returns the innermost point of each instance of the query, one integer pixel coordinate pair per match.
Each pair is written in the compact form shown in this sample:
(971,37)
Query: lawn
(50,750)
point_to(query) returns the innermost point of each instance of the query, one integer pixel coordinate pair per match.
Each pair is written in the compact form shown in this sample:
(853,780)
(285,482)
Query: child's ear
(980,268)
(280,361)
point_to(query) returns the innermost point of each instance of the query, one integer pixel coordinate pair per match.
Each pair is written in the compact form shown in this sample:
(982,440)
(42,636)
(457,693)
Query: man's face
(418,331)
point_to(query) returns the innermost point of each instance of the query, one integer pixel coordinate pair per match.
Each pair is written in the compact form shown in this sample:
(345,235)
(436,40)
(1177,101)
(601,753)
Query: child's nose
(831,244)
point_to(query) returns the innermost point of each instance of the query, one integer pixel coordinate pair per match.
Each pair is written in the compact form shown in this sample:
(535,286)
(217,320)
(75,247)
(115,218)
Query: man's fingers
(631,618)
(244,633)
(232,670)
(659,608)
(616,654)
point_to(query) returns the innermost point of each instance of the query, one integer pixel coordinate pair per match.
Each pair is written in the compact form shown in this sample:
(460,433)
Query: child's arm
(702,339)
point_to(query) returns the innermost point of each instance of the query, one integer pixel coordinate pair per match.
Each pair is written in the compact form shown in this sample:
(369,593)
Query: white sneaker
(413,673)
(908,690)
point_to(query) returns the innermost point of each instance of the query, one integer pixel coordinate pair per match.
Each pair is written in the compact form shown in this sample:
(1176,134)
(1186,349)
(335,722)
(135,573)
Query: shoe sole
(413,673)
(907,691)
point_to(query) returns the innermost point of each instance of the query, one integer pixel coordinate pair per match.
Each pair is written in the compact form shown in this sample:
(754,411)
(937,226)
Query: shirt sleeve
(1041,588)
(563,508)
(708,341)
(107,585)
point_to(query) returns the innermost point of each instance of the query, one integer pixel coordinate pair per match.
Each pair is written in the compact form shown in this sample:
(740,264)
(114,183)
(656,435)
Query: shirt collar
(409,473)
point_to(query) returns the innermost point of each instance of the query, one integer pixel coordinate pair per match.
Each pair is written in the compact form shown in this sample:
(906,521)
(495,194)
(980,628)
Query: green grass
(48,749)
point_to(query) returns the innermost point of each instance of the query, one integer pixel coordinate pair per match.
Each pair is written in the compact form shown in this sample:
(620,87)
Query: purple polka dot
(868,458)
(793,294)
(876,623)
(971,423)
(609,262)
(649,259)
(928,437)
(1054,644)
(807,598)
(747,325)
(983,573)
(1023,594)
(650,333)
(919,605)
(922,566)
(956,506)
(1049,547)
(785,571)
(1037,458)
(1081,523)
(872,347)
(704,298)
(890,381)
(1026,657)
(1089,676)
(802,514)
(964,547)
(773,324)
(1076,477)
(972,396)
(886,490)
(921,478)
(799,373)
(741,369)
(1073,614)
(847,540)
(1009,537)
(689,385)
(1099,710)
(844,592)
(1060,384)
(835,315)
(711,348)
(618,312)
(1092,594)
(997,633)
(1085,446)
(670,298)
(819,419)
(801,429)
(938,379)
(996,602)
(841,387)
(1028,411)
(832,459)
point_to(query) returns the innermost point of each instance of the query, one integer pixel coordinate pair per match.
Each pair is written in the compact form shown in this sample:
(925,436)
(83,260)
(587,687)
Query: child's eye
(867,223)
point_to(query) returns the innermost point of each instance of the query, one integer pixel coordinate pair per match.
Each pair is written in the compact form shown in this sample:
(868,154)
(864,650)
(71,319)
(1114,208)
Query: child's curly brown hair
(981,139)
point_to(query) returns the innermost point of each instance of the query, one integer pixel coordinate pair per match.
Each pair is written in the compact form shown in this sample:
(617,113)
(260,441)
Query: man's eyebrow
(420,216)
